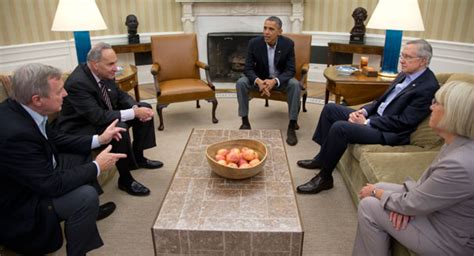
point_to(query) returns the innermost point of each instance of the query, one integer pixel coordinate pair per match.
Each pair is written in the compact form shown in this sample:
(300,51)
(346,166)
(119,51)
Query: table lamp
(80,16)
(394,17)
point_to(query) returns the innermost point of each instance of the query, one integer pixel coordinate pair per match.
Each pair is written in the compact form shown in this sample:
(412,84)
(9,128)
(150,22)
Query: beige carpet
(329,218)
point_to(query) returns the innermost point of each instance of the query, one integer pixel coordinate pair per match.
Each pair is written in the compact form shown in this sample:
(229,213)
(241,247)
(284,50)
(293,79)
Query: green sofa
(363,164)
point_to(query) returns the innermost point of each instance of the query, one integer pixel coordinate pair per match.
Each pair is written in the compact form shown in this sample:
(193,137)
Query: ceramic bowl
(345,70)
(231,172)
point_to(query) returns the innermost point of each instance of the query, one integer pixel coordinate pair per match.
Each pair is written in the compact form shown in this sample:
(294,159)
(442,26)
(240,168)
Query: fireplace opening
(226,52)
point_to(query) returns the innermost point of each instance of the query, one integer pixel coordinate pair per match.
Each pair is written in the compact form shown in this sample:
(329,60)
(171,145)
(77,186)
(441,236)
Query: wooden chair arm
(155,67)
(305,68)
(202,65)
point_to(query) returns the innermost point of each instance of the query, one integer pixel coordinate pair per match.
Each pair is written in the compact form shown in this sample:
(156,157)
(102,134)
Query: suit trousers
(334,133)
(143,138)
(79,209)
(292,89)
(375,230)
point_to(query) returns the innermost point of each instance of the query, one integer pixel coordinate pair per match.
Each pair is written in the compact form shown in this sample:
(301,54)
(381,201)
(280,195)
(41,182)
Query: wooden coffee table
(205,214)
(356,88)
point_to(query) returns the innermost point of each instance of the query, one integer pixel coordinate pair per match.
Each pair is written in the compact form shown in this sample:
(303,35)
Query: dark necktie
(105,94)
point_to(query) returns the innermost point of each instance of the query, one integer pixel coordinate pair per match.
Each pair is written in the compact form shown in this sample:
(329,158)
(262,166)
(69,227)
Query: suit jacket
(84,110)
(409,108)
(28,181)
(256,63)
(443,198)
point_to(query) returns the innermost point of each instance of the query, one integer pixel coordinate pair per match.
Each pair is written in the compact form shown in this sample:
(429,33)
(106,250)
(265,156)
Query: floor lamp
(395,17)
(79,16)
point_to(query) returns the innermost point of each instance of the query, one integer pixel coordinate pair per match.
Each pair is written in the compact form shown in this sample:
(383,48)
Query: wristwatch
(373,193)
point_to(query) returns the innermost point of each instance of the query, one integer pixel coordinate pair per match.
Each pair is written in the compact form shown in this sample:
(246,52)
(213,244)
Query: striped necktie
(105,94)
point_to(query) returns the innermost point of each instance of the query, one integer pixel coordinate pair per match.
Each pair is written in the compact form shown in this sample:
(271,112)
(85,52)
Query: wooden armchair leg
(326,97)
(266,102)
(197,104)
(304,102)
(159,110)
(214,107)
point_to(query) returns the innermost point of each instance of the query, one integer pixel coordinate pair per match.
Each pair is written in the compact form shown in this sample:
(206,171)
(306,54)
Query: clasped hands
(265,86)
(357,117)
(399,221)
(143,113)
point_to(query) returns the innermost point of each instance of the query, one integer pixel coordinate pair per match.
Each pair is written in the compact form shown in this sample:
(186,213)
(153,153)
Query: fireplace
(226,54)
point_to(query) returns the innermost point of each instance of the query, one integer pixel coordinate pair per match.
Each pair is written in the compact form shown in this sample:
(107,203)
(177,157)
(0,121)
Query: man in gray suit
(434,216)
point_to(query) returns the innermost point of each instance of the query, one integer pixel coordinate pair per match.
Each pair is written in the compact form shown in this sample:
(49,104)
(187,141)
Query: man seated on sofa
(94,101)
(46,176)
(388,121)
(270,65)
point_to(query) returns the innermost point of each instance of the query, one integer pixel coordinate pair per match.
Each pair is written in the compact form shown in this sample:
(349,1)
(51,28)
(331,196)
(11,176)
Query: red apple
(219,157)
(244,166)
(222,151)
(233,157)
(254,162)
(223,162)
(233,165)
(241,162)
(249,154)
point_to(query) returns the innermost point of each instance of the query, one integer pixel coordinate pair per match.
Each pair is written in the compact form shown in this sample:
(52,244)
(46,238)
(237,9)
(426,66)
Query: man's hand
(143,113)
(366,190)
(106,160)
(399,220)
(357,117)
(111,132)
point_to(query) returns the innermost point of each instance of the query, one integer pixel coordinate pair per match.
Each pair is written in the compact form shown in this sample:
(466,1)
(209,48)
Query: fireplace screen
(226,54)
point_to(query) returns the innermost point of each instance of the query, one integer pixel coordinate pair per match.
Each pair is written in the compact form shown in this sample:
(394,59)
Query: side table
(356,88)
(129,80)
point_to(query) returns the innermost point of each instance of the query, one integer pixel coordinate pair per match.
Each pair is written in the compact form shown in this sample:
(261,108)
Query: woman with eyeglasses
(435,215)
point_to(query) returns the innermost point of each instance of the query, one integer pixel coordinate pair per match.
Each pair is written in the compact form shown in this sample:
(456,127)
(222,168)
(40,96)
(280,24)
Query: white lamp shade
(78,15)
(402,15)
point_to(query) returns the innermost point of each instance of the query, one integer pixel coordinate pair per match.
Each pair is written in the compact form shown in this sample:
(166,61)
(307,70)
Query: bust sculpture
(132,24)
(358,31)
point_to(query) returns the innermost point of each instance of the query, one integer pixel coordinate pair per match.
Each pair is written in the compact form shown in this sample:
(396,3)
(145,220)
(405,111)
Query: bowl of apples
(237,159)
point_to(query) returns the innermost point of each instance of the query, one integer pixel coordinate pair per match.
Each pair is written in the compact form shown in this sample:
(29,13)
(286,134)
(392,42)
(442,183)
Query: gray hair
(276,20)
(425,50)
(95,54)
(457,98)
(32,79)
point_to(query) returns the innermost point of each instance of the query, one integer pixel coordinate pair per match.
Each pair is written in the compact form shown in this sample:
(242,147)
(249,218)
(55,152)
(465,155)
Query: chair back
(176,55)
(302,51)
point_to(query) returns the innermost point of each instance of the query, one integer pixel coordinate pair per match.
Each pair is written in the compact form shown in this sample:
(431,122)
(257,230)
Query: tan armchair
(175,70)
(302,58)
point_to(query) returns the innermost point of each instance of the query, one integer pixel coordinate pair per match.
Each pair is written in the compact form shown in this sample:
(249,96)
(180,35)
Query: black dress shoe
(135,189)
(309,164)
(291,137)
(150,164)
(315,185)
(105,210)
(245,127)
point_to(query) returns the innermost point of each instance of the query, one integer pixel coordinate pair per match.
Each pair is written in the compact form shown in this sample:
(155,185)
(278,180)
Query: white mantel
(209,16)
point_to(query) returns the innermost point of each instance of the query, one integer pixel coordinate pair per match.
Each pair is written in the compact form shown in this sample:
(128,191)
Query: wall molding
(448,56)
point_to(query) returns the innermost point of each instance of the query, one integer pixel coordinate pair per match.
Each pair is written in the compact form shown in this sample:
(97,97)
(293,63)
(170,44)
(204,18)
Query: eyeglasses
(408,58)
(435,102)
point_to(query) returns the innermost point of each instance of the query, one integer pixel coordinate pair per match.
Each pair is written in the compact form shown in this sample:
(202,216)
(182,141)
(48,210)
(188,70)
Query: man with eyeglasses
(389,120)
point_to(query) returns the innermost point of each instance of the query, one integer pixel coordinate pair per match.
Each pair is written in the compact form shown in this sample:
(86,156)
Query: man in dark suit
(39,187)
(388,121)
(270,65)
(94,101)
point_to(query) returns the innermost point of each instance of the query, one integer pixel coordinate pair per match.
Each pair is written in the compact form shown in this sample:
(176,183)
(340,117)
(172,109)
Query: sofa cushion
(425,137)
(358,149)
(461,77)
(5,88)
(395,167)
